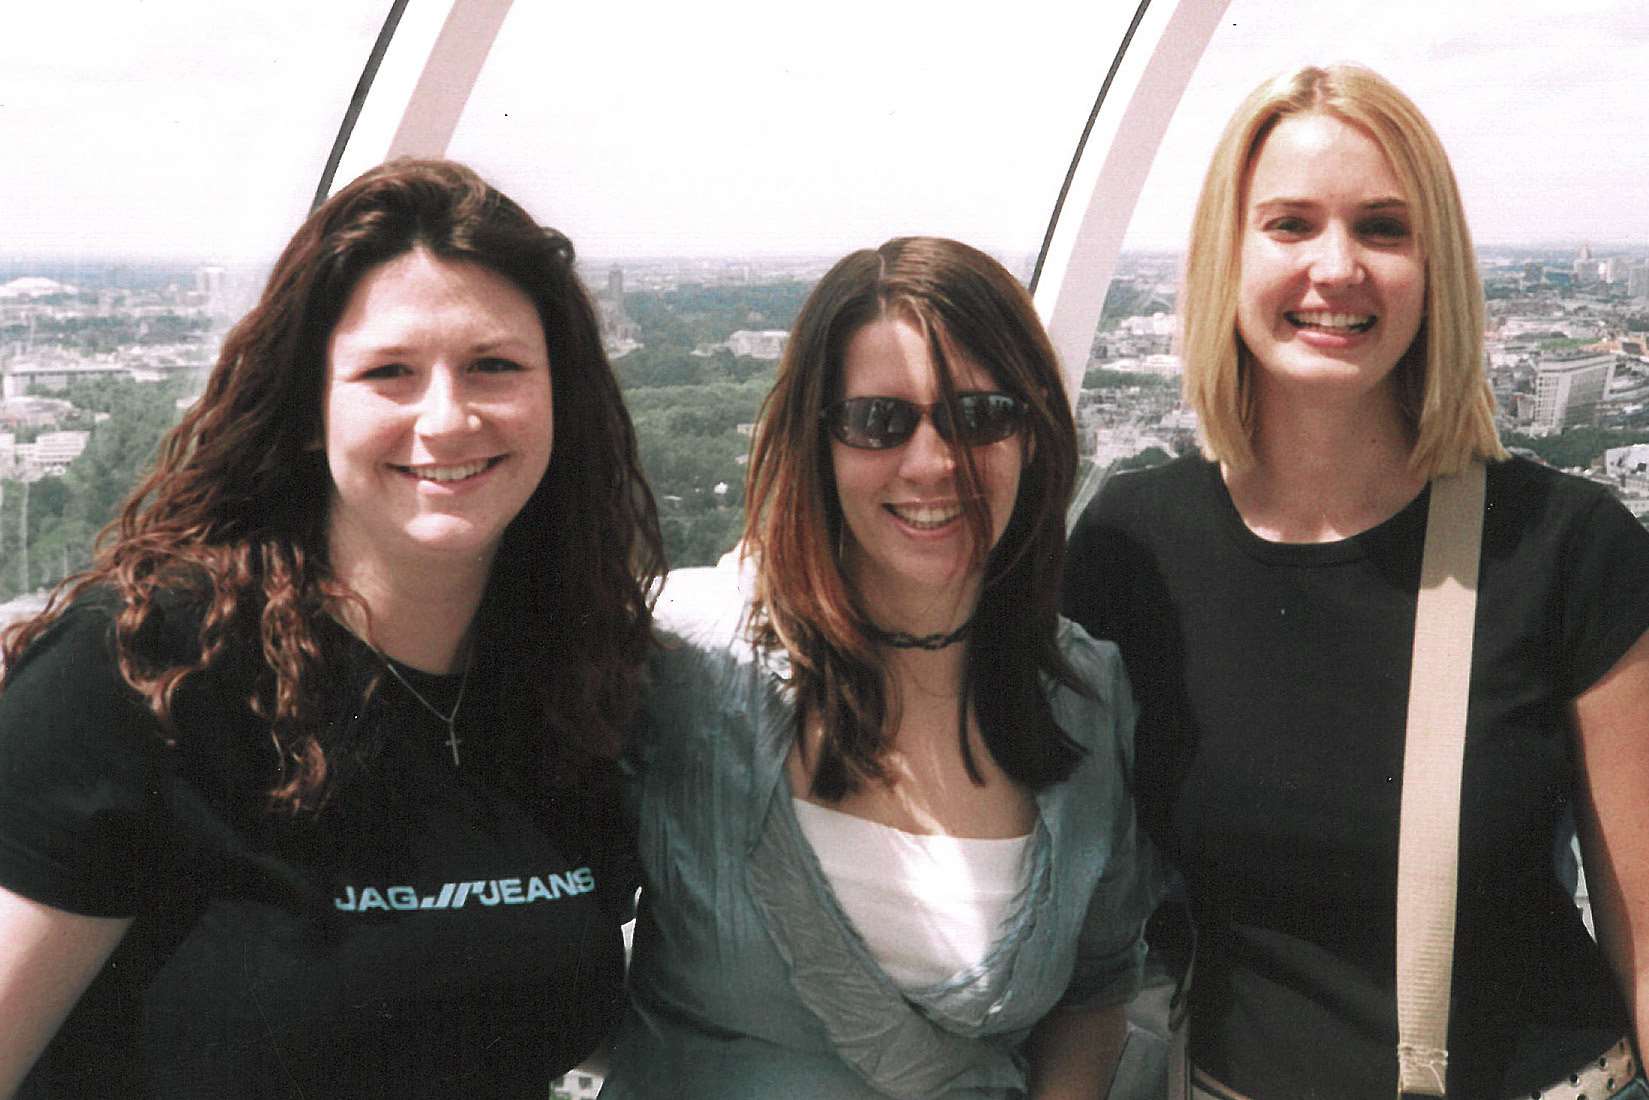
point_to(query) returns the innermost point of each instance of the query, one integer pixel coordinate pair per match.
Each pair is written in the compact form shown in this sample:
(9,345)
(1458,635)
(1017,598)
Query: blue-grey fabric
(747,978)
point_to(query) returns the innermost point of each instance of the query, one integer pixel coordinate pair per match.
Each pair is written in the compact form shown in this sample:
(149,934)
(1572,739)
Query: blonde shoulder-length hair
(1443,390)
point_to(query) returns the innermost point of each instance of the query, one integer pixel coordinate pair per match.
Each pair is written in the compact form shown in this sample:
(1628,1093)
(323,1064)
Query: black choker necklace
(898,639)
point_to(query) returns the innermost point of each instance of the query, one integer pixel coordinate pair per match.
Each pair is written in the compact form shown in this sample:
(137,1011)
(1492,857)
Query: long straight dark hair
(970,306)
(234,512)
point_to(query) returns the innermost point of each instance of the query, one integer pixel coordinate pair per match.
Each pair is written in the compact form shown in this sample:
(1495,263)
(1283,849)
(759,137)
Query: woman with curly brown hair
(882,788)
(305,785)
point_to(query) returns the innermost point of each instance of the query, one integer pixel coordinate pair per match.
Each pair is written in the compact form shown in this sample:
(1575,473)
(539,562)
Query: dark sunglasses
(877,423)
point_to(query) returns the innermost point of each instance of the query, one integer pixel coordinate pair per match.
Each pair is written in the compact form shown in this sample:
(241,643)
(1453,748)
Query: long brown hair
(804,604)
(233,514)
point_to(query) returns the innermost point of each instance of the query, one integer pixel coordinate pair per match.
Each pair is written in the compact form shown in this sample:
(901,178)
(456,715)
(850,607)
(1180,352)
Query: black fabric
(1273,684)
(433,932)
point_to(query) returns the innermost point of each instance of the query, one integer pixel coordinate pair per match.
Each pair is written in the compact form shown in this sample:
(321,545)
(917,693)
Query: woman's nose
(1335,261)
(927,457)
(444,409)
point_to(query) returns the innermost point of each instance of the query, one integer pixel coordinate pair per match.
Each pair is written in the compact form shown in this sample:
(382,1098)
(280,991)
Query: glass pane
(158,156)
(721,131)
(710,162)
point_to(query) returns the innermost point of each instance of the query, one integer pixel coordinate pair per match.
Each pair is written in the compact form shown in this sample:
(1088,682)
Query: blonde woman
(1263,595)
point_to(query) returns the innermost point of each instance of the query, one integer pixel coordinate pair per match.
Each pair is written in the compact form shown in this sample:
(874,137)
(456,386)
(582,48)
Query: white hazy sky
(198,128)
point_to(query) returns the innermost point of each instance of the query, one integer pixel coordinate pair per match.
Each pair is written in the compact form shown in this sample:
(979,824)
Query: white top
(928,907)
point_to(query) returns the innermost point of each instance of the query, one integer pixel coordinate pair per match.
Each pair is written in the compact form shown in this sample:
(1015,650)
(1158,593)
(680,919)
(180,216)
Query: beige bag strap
(1428,845)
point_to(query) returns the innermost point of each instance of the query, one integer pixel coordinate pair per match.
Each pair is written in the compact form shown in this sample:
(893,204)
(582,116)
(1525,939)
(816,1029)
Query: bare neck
(421,610)
(926,678)
(1325,472)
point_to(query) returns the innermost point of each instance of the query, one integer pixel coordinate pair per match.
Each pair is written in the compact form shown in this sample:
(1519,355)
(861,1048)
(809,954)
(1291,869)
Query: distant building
(212,288)
(33,412)
(1637,281)
(1157,324)
(1568,388)
(27,378)
(576,1085)
(51,452)
(34,286)
(1583,269)
(758,344)
(1627,462)
(620,334)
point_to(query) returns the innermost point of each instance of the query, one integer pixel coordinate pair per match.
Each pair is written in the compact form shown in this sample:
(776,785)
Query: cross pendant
(453,743)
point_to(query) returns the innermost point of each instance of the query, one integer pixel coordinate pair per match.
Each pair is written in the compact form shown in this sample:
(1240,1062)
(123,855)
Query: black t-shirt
(1273,685)
(434,931)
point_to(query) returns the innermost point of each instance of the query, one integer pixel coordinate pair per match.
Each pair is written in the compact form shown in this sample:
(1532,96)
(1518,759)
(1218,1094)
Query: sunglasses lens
(874,423)
(985,418)
(877,423)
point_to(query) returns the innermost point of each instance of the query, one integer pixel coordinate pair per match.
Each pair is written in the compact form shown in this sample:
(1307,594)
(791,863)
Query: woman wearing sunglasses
(882,791)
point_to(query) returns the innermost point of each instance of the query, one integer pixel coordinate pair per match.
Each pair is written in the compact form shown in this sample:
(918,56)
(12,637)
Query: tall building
(1568,388)
(615,285)
(1637,281)
(1585,269)
(211,285)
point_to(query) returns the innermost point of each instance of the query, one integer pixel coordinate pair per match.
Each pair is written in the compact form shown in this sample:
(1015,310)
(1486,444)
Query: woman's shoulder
(1526,498)
(1154,483)
(702,652)
(1104,710)
(704,608)
(1096,658)
(1149,500)
(79,634)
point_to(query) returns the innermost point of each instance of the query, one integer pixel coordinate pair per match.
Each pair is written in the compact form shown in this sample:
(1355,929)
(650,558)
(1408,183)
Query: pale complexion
(47,959)
(910,555)
(1332,294)
(909,552)
(1609,730)
(437,412)
(438,428)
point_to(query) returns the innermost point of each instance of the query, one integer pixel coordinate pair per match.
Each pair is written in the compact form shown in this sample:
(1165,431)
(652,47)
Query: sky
(198,128)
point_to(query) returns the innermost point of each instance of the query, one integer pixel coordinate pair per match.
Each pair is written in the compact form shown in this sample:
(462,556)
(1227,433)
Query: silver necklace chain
(448,720)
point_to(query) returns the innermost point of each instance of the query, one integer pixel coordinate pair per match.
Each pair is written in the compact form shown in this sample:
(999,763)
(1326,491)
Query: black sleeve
(1093,563)
(79,756)
(1115,588)
(1605,591)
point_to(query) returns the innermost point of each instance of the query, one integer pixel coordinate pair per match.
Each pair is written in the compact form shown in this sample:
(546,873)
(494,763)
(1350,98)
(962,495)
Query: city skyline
(191,129)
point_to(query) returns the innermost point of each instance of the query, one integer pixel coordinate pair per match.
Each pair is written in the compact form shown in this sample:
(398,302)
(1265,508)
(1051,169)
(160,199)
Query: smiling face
(437,414)
(907,542)
(1333,282)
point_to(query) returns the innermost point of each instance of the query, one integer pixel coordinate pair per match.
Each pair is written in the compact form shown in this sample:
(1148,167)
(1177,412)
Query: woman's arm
(1074,1052)
(47,959)
(1612,728)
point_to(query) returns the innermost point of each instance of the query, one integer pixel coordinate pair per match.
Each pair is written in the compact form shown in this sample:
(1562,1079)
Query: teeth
(926,515)
(447,473)
(1322,318)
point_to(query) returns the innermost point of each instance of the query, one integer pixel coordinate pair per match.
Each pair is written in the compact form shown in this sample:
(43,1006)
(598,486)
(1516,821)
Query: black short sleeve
(1606,562)
(78,751)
